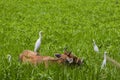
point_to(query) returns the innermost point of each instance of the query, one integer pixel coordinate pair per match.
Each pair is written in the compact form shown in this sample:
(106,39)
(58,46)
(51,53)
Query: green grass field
(65,23)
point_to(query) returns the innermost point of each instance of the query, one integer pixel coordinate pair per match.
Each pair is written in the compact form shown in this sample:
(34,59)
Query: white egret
(9,58)
(95,46)
(38,42)
(104,61)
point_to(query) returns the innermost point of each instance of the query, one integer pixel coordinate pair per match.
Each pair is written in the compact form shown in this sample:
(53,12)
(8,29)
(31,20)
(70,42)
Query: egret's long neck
(94,43)
(40,36)
(9,58)
(104,55)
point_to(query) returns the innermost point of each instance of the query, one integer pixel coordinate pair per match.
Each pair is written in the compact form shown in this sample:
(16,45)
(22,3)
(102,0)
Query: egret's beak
(93,40)
(41,32)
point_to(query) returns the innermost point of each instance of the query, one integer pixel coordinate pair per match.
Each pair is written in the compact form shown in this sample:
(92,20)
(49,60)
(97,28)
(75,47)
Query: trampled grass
(65,23)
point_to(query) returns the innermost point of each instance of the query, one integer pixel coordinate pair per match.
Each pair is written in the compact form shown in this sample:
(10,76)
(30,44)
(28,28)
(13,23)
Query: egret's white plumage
(9,58)
(96,49)
(104,61)
(38,42)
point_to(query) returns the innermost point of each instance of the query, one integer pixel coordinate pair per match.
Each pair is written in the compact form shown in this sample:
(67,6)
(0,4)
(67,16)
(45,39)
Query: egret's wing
(104,61)
(37,45)
(96,48)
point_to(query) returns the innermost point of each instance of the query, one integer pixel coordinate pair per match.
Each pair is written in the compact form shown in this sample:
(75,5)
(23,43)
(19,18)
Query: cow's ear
(69,53)
(65,52)
(57,55)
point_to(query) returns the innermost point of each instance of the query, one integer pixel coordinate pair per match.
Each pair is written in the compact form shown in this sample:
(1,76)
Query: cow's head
(69,57)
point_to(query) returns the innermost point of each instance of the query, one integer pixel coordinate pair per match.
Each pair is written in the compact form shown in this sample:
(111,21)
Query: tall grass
(73,24)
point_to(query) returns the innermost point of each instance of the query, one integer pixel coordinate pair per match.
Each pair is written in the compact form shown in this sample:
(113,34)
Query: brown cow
(32,57)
